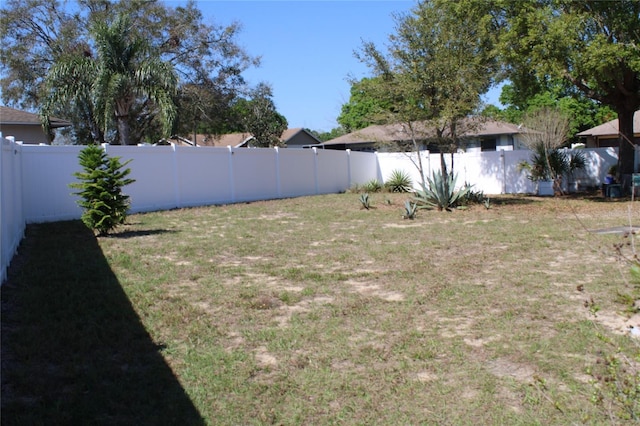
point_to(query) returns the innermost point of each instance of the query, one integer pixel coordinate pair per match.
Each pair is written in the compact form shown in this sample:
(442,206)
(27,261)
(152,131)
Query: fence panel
(12,223)
(597,163)
(47,173)
(333,171)
(203,176)
(363,167)
(483,170)
(255,176)
(406,162)
(154,169)
(297,172)
(516,181)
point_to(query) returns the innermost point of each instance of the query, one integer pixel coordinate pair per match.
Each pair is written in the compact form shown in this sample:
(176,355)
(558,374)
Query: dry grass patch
(314,311)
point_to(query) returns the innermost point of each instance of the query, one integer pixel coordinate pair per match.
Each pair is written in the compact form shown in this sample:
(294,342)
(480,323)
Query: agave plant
(440,192)
(410,210)
(399,181)
(364,200)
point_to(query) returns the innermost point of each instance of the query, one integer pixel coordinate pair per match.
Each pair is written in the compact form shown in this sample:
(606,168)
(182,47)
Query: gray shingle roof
(15,116)
(398,132)
(611,128)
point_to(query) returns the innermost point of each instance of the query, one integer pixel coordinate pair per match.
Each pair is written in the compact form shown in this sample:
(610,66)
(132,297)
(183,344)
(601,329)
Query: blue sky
(307,49)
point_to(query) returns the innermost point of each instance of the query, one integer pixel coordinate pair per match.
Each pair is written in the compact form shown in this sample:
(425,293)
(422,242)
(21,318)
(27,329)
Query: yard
(314,311)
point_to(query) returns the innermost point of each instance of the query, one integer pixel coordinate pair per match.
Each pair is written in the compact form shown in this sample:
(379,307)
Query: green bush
(372,186)
(100,189)
(399,181)
(552,164)
(440,192)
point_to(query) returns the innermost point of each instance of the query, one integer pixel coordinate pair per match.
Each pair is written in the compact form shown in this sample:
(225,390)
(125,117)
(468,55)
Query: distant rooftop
(17,117)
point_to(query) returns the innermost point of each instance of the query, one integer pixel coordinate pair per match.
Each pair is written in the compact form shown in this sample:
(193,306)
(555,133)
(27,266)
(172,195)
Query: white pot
(545,188)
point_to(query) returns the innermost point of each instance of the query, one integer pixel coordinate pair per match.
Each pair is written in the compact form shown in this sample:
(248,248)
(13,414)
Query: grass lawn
(315,311)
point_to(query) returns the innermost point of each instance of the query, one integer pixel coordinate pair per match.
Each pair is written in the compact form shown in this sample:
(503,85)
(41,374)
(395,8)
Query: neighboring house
(26,127)
(480,135)
(293,138)
(299,138)
(606,135)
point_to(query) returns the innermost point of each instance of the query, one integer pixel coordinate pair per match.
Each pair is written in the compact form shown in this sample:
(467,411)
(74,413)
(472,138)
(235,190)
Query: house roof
(290,133)
(23,118)
(241,139)
(398,132)
(231,139)
(611,128)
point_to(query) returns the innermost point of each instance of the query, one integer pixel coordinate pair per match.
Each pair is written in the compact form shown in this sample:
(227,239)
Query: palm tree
(69,84)
(125,72)
(130,70)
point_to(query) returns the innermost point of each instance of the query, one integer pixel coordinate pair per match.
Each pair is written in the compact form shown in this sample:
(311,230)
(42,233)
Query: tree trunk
(124,133)
(626,151)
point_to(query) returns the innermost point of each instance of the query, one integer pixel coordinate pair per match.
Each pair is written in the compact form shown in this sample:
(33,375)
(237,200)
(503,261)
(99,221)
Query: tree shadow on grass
(74,350)
(138,233)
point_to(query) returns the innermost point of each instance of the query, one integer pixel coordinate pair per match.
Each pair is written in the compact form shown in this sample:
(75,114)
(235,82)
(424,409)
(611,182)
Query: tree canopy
(575,55)
(593,46)
(364,108)
(38,34)
(258,116)
(582,112)
(124,76)
(438,64)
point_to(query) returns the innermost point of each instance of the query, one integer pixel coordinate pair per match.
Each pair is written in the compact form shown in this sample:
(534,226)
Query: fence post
(3,225)
(315,169)
(503,187)
(232,184)
(278,187)
(349,167)
(176,186)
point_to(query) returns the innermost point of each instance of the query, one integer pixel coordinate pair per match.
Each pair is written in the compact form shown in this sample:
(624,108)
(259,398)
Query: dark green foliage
(100,188)
(552,164)
(399,181)
(440,192)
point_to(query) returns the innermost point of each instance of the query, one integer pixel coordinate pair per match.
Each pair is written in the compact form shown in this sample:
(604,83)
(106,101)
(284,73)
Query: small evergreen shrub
(100,185)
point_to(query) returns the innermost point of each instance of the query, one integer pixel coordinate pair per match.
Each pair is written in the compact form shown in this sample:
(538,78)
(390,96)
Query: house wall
(25,134)
(503,143)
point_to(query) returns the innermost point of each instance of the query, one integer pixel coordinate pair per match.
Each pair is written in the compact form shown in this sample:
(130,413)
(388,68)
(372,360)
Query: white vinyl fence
(35,178)
(496,172)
